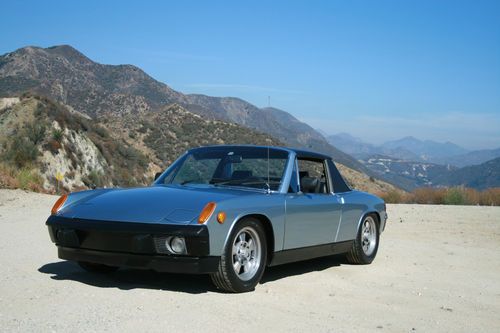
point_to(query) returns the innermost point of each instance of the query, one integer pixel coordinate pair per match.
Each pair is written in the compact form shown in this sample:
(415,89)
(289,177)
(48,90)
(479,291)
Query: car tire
(244,258)
(97,268)
(365,246)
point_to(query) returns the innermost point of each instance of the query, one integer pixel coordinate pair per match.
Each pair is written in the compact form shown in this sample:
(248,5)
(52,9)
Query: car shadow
(302,267)
(127,279)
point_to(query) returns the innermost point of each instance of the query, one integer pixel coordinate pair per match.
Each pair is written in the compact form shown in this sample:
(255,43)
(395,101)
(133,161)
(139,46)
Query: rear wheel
(97,268)
(365,246)
(243,260)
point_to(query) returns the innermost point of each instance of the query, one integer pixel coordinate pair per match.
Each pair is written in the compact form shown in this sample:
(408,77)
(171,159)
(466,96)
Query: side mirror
(157,175)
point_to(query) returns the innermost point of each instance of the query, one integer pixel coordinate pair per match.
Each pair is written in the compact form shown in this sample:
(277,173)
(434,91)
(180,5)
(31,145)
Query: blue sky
(379,70)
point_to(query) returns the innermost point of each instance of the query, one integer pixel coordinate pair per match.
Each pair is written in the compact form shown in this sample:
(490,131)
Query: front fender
(272,206)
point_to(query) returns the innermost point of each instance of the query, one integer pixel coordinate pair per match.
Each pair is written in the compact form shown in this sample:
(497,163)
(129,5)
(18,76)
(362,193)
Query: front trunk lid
(156,204)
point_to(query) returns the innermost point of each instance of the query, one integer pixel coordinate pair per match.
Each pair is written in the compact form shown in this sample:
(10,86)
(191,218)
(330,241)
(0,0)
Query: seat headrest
(309,184)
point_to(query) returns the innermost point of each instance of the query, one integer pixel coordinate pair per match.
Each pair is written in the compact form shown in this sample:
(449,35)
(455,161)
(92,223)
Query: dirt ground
(437,270)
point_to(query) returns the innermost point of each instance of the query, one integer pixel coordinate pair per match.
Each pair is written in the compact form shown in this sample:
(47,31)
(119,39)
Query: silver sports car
(227,211)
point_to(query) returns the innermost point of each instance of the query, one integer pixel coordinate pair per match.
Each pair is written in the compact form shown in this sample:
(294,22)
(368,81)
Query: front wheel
(365,246)
(244,258)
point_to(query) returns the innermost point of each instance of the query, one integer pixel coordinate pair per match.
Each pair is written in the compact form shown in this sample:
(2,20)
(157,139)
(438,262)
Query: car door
(312,211)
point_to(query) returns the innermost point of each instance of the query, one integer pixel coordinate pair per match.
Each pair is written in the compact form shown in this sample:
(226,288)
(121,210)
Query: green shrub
(57,135)
(454,196)
(22,152)
(29,179)
(93,179)
(36,132)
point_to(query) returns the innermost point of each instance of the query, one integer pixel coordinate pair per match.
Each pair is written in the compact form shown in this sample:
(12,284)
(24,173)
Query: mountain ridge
(67,76)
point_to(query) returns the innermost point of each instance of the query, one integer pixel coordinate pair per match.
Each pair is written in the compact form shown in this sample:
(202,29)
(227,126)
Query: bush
(454,196)
(490,197)
(22,152)
(57,135)
(29,179)
(93,179)
(449,196)
(35,132)
(25,178)
(427,195)
(393,196)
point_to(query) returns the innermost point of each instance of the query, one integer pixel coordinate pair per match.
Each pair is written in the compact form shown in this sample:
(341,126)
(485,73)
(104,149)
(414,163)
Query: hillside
(471,158)
(69,77)
(482,176)
(37,133)
(427,150)
(408,174)
(40,138)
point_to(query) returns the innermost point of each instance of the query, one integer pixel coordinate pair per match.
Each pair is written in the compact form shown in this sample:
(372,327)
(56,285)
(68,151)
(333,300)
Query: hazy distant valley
(411,163)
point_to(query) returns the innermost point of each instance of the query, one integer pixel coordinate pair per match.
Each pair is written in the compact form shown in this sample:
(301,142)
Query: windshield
(230,166)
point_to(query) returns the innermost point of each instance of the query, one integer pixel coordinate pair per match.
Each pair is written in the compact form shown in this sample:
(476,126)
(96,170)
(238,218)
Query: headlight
(177,245)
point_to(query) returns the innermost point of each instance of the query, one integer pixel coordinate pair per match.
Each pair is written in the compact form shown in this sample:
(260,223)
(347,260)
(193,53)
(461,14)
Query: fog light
(177,245)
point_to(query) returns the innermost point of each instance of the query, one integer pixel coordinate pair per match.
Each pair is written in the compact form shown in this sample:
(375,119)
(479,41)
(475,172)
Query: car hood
(155,204)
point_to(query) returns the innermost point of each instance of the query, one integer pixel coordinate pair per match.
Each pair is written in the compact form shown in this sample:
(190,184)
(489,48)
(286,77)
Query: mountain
(482,176)
(426,150)
(40,138)
(472,158)
(69,77)
(363,150)
(409,175)
(352,145)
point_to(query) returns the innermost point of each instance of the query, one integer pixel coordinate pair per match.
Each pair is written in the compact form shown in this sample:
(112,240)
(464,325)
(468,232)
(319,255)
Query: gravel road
(437,270)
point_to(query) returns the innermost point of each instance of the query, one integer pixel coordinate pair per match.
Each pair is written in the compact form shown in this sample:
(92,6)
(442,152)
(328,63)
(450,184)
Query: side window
(313,177)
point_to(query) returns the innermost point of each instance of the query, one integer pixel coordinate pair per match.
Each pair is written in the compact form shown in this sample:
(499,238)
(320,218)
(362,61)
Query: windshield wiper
(243,182)
(188,181)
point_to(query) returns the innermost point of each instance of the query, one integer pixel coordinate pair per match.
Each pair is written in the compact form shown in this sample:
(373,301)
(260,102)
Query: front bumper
(135,245)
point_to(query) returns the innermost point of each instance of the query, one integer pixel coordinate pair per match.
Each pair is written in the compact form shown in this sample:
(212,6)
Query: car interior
(313,185)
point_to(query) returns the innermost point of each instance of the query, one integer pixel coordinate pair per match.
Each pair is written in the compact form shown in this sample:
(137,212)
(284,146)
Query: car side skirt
(310,252)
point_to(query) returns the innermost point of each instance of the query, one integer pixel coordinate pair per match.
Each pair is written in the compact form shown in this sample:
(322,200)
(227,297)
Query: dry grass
(445,196)
(25,178)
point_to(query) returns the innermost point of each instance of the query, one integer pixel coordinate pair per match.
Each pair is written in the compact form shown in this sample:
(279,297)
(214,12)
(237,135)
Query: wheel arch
(370,212)
(268,228)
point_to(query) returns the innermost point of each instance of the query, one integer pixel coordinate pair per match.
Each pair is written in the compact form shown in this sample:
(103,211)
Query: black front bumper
(126,244)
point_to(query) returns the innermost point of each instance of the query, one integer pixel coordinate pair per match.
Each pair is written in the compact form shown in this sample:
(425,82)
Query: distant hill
(352,145)
(67,76)
(472,158)
(480,176)
(363,150)
(409,175)
(411,149)
(426,150)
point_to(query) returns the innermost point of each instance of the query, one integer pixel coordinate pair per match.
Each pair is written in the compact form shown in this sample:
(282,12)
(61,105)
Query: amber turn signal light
(58,204)
(221,217)
(207,211)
